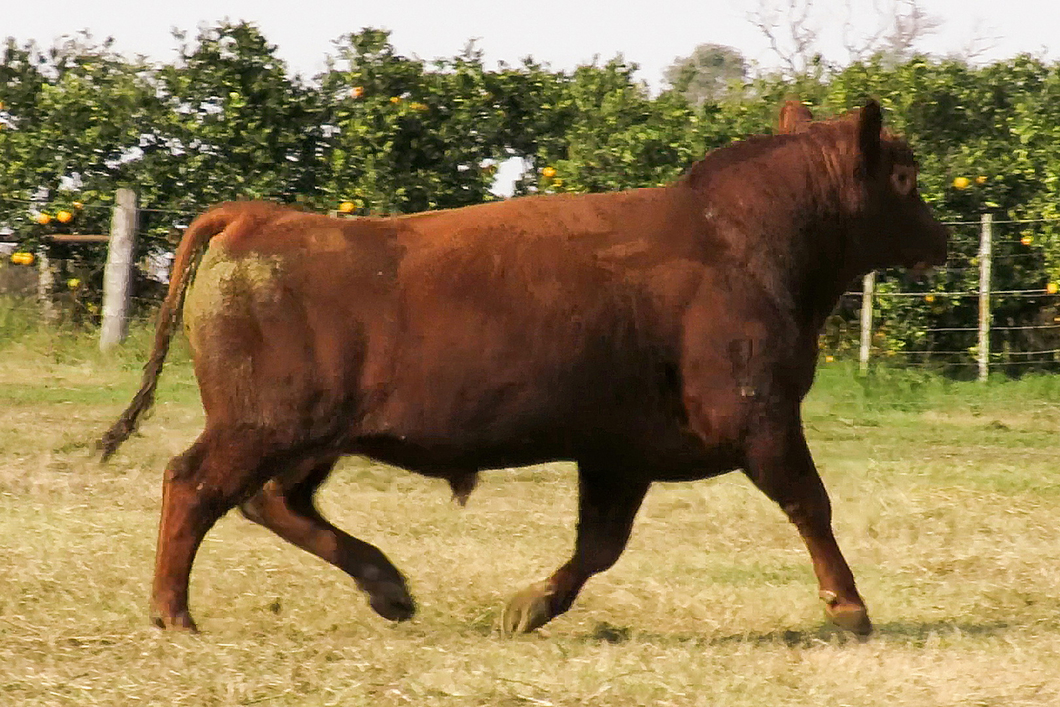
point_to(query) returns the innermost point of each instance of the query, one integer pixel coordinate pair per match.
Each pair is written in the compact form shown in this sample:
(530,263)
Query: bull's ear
(794,117)
(870,126)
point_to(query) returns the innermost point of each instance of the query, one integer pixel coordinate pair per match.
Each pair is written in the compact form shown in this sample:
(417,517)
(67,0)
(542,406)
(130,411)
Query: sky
(563,33)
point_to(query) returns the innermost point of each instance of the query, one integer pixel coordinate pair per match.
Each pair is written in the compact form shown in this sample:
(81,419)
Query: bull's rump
(451,338)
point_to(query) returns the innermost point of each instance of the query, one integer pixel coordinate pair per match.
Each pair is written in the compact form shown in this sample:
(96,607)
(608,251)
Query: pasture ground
(946,495)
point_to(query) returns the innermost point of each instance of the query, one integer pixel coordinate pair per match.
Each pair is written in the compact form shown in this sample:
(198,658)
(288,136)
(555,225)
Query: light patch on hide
(625,251)
(328,240)
(226,285)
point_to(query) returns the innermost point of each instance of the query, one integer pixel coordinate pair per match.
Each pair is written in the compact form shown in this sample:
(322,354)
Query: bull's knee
(253,509)
(257,507)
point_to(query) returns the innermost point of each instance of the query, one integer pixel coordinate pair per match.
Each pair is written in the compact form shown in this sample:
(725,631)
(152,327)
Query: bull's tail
(192,245)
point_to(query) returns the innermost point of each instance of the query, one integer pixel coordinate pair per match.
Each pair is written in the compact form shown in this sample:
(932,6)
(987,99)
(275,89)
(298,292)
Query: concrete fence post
(986,236)
(868,288)
(118,273)
(46,286)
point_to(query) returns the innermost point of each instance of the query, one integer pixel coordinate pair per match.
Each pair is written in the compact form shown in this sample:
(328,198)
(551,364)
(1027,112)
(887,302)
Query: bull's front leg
(780,465)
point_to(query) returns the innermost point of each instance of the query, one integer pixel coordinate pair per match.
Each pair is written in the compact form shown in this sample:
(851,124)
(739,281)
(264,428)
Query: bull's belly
(650,453)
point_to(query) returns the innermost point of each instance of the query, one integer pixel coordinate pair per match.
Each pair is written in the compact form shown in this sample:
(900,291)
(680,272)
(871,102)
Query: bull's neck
(802,255)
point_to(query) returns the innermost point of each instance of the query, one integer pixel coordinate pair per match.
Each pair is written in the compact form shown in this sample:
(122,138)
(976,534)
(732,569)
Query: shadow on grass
(918,632)
(910,633)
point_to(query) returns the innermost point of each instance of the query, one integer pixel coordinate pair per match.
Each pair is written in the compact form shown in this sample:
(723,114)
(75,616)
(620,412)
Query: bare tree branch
(794,32)
(979,44)
(911,24)
(792,18)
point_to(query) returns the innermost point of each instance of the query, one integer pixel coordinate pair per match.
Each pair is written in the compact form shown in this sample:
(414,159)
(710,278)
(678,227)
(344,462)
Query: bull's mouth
(920,266)
(924,269)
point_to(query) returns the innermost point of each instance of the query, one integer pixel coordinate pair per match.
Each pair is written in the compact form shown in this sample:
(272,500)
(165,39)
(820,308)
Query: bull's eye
(904,181)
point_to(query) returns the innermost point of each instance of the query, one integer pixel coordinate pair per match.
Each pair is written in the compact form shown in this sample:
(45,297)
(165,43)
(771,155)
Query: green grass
(946,501)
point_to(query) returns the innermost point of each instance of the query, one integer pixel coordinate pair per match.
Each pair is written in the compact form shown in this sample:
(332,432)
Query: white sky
(562,33)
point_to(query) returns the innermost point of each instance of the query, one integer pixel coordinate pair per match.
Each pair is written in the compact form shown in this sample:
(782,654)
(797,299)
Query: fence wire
(930,324)
(919,324)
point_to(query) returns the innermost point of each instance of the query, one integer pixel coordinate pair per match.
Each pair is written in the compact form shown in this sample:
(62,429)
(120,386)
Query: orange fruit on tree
(961,183)
(929,298)
(1052,288)
(347,207)
(1027,240)
(78,205)
(548,172)
(395,99)
(43,219)
(981,179)
(357,91)
(63,216)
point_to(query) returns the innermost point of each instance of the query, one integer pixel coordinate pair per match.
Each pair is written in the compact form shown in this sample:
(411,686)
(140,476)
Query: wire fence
(993,307)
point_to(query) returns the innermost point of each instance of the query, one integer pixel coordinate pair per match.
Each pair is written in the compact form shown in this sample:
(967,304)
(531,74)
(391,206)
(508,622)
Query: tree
(237,125)
(796,34)
(901,26)
(707,74)
(792,33)
(614,135)
(402,136)
(74,117)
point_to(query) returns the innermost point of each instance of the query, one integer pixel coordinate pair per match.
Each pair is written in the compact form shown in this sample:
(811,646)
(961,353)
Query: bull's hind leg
(607,504)
(285,506)
(202,484)
(780,465)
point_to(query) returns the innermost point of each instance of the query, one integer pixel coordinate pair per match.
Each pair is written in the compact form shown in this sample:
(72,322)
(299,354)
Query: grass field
(947,504)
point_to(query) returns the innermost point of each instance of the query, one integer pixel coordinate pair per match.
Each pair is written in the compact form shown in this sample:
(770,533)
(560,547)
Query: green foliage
(402,136)
(614,134)
(993,130)
(73,117)
(394,134)
(236,125)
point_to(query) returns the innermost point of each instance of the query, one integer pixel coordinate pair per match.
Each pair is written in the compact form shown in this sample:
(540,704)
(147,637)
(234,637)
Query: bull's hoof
(528,610)
(178,621)
(391,600)
(847,616)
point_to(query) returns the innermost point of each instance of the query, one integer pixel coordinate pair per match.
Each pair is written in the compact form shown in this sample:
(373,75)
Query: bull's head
(893,225)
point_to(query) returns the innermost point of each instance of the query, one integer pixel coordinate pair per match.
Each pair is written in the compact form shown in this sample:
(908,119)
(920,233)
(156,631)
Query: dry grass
(946,501)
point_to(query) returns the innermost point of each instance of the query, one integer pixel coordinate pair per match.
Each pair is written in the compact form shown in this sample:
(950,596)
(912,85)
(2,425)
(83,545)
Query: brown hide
(654,334)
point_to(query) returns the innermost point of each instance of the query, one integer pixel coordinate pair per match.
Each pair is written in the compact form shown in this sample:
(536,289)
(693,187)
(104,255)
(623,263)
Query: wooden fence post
(117,275)
(46,286)
(986,234)
(868,288)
